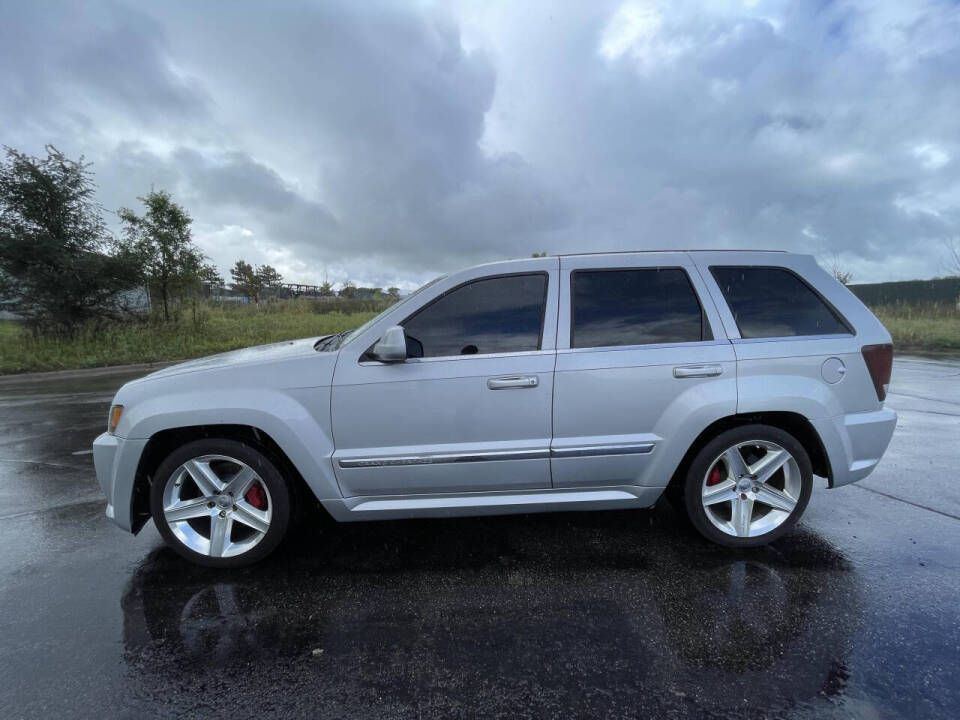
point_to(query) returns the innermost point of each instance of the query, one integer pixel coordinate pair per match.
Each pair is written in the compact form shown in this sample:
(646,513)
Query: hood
(244,356)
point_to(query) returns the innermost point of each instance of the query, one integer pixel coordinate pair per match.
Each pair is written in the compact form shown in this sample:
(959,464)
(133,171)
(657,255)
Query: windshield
(371,321)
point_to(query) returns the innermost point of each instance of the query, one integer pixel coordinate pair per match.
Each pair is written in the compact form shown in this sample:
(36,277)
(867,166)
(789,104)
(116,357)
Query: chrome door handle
(513,381)
(692,371)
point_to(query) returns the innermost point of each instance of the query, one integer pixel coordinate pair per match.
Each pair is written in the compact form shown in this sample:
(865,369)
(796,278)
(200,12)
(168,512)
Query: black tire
(693,483)
(279,493)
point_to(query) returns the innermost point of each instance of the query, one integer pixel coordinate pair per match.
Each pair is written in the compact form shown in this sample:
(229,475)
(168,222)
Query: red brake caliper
(256,497)
(715,476)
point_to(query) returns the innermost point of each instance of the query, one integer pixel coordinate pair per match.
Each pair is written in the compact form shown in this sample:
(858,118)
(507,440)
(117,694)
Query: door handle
(513,381)
(693,371)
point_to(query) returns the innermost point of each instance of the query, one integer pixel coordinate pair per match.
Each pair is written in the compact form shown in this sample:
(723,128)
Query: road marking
(82,452)
(908,502)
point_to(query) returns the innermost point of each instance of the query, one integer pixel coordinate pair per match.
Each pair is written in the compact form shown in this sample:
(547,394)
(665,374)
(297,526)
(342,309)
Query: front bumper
(115,460)
(855,443)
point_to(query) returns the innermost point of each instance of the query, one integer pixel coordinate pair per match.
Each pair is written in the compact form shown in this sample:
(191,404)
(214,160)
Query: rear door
(643,366)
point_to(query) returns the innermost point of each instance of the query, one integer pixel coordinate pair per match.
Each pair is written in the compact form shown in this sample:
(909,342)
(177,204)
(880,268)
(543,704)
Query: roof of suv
(661,250)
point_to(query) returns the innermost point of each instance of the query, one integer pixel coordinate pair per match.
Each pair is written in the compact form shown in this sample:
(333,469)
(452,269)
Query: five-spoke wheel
(748,486)
(751,488)
(217,505)
(220,502)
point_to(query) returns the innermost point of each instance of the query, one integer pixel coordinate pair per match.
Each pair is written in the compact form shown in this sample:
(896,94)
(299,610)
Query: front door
(470,409)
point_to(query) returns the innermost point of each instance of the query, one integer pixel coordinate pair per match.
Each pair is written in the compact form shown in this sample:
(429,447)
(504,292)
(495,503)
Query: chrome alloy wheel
(751,488)
(217,506)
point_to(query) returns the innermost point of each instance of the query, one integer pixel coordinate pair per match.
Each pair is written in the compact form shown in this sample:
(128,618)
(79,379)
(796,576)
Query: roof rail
(681,250)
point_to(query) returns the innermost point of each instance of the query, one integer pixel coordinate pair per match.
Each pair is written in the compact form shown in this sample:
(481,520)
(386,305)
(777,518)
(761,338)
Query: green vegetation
(924,327)
(59,266)
(172,267)
(216,329)
(79,291)
(943,291)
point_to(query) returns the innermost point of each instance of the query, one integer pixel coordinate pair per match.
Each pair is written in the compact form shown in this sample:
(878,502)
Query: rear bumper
(115,460)
(855,443)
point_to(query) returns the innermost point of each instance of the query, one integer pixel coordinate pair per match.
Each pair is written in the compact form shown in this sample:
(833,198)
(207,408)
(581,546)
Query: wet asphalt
(628,613)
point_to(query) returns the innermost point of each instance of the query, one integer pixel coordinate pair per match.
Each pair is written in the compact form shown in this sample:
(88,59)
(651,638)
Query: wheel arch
(164,442)
(794,423)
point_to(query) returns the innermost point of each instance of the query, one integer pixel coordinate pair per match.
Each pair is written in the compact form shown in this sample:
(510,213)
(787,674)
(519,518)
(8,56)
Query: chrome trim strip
(651,346)
(495,455)
(599,450)
(449,358)
(484,456)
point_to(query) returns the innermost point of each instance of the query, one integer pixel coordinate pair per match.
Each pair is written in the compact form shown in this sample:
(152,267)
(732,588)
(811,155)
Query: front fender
(297,420)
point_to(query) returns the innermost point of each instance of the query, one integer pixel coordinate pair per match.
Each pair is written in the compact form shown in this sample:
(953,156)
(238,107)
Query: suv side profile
(726,379)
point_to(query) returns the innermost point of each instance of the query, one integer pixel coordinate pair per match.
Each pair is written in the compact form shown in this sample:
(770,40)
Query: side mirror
(392,347)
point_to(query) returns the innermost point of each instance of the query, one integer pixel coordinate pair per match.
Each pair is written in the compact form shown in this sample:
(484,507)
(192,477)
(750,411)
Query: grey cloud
(389,142)
(124,62)
(827,156)
(67,67)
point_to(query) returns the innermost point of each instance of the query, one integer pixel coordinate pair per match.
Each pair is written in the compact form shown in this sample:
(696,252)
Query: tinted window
(773,302)
(493,315)
(634,307)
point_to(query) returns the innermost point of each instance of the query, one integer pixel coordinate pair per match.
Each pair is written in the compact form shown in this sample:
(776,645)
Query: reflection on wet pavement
(572,613)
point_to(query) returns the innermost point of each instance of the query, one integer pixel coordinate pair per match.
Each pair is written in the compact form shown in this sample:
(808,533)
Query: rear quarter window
(775,302)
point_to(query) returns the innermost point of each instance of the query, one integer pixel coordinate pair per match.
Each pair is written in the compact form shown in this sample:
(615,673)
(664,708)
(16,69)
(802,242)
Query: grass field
(218,329)
(928,327)
(924,328)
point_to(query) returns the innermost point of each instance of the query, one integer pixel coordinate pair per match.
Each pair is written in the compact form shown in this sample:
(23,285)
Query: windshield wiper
(333,342)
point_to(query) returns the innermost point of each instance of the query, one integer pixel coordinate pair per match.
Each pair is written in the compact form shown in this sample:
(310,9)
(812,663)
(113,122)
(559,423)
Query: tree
(349,290)
(393,293)
(839,271)
(269,278)
(252,281)
(245,280)
(171,262)
(59,267)
(211,277)
(952,262)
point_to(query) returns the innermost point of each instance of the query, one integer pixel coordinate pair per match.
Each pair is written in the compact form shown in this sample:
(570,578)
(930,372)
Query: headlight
(115,413)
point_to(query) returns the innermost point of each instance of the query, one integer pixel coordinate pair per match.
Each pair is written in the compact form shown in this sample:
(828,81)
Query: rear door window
(775,302)
(636,306)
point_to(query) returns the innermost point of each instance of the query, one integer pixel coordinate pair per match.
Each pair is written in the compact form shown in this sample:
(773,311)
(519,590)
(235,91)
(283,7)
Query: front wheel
(748,486)
(220,503)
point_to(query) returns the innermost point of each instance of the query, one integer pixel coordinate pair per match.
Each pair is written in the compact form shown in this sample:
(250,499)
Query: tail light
(879,359)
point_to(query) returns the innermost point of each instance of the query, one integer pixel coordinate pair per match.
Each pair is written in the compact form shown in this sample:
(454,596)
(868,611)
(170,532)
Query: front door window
(490,315)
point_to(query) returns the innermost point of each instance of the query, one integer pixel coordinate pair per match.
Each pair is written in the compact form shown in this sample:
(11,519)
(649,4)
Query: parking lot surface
(622,613)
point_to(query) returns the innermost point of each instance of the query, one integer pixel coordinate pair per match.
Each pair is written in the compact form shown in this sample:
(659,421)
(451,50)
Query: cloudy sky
(389,142)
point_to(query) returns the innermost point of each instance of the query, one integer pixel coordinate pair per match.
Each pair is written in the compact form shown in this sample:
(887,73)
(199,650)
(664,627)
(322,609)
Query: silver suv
(725,379)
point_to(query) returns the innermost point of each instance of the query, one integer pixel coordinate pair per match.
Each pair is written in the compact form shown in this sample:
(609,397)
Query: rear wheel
(220,503)
(748,486)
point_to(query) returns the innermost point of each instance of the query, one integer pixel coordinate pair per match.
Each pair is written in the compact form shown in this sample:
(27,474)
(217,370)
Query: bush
(350,305)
